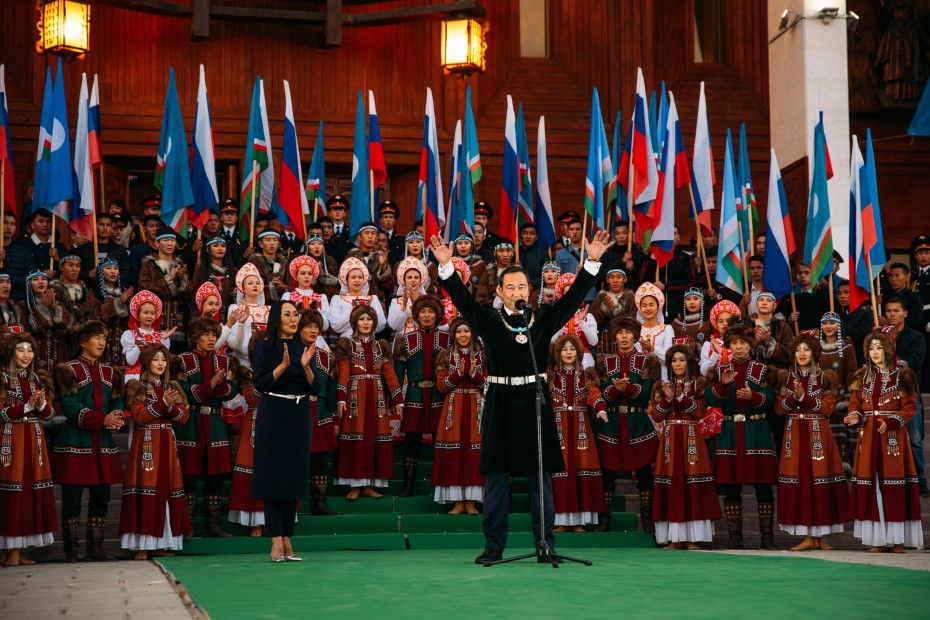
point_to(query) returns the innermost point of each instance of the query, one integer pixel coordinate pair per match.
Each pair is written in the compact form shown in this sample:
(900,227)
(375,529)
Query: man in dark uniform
(920,284)
(483,215)
(236,248)
(151,205)
(564,220)
(388,213)
(291,245)
(509,422)
(899,279)
(338,246)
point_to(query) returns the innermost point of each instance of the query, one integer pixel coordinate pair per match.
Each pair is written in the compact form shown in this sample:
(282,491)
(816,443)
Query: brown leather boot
(734,514)
(318,496)
(410,476)
(69,537)
(211,525)
(645,511)
(191,516)
(604,518)
(95,531)
(767,526)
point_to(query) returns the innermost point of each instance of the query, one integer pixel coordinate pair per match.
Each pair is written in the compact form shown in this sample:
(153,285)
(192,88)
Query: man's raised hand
(441,251)
(596,247)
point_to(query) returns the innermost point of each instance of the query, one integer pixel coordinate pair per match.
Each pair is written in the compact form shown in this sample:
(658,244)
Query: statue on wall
(901,53)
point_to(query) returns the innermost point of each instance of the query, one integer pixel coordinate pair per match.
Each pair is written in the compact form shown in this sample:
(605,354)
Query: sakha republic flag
(291,195)
(638,174)
(258,158)
(525,213)
(6,152)
(316,179)
(429,193)
(453,218)
(545,225)
(818,238)
(361,189)
(82,209)
(471,162)
(60,181)
(203,175)
(702,169)
(779,236)
(616,195)
(747,193)
(173,171)
(673,174)
(600,168)
(376,163)
(873,218)
(44,147)
(730,253)
(510,177)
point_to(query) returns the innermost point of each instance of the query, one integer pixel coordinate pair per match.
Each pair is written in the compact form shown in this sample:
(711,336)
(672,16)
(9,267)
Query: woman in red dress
(884,503)
(243,509)
(367,388)
(812,493)
(27,518)
(578,490)
(153,516)
(685,505)
(460,375)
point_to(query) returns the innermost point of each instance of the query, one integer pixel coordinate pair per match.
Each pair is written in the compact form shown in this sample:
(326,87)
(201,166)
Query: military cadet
(920,283)
(388,212)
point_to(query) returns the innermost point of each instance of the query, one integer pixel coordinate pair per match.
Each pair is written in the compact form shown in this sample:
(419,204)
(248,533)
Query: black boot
(734,514)
(410,476)
(767,525)
(318,496)
(604,519)
(95,531)
(70,538)
(645,511)
(211,525)
(191,515)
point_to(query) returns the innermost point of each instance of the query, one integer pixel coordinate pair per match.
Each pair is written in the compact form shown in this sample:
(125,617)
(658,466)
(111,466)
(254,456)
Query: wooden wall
(592,44)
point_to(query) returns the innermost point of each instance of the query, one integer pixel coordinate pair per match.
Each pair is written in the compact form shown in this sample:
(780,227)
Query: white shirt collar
(36,240)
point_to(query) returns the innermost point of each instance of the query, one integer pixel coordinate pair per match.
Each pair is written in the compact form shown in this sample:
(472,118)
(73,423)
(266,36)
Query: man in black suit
(483,215)
(338,246)
(35,251)
(106,248)
(508,446)
(236,248)
(899,276)
(387,220)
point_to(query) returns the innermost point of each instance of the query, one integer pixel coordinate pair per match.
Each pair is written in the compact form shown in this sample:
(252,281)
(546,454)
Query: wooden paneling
(593,44)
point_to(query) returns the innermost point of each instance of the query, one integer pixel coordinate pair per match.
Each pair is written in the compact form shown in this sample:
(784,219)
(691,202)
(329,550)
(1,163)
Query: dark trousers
(212,485)
(72,494)
(733,493)
(497,509)
(412,444)
(279,518)
(319,463)
(645,480)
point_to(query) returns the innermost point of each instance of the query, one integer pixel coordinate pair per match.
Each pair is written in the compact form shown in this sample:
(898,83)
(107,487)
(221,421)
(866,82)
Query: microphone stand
(543,552)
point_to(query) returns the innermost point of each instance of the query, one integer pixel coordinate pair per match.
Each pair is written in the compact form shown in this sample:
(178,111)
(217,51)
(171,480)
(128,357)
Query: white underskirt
(811,530)
(447,495)
(21,542)
(362,482)
(248,519)
(689,531)
(575,518)
(877,534)
(143,542)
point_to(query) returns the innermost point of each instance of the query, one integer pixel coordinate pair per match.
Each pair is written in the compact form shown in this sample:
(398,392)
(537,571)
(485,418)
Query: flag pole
(629,212)
(371,192)
(252,209)
(830,288)
(2,200)
(700,238)
(51,261)
(584,240)
(794,309)
(94,213)
(868,266)
(742,256)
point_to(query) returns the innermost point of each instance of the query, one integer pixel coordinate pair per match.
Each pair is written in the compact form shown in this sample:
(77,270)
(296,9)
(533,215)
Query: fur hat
(690,356)
(811,342)
(10,342)
(427,301)
(739,332)
(888,343)
(89,329)
(555,353)
(358,311)
(310,316)
(625,322)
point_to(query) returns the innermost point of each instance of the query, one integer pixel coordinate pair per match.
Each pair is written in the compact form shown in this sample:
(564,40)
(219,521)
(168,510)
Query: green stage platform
(445,583)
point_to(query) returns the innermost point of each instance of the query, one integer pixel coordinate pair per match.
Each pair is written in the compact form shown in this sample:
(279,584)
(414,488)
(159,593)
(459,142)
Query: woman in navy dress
(283,375)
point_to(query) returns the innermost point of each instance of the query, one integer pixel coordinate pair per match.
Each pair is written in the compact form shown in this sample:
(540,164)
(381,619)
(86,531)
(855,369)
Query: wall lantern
(64,27)
(463,47)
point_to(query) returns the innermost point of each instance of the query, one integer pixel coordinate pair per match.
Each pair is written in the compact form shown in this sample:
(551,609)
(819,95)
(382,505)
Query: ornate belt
(422,384)
(740,417)
(361,377)
(208,411)
(524,380)
(573,408)
(29,419)
(295,397)
(806,416)
(684,422)
(153,426)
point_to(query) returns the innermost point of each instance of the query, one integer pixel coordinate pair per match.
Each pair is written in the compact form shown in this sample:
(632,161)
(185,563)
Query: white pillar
(807,61)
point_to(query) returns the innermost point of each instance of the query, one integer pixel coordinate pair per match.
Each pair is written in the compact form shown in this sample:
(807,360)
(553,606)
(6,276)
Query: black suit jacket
(509,422)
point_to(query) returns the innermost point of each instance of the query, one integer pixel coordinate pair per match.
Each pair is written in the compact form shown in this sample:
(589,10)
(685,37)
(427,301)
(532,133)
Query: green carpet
(653,583)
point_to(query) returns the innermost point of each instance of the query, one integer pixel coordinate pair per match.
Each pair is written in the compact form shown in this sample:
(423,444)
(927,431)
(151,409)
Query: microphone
(522,306)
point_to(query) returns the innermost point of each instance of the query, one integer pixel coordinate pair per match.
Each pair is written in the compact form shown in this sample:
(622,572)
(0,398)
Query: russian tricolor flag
(673,174)
(82,209)
(291,194)
(94,129)
(430,196)
(702,168)
(453,217)
(510,177)
(545,227)
(638,173)
(376,163)
(779,236)
(203,176)
(860,281)
(8,189)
